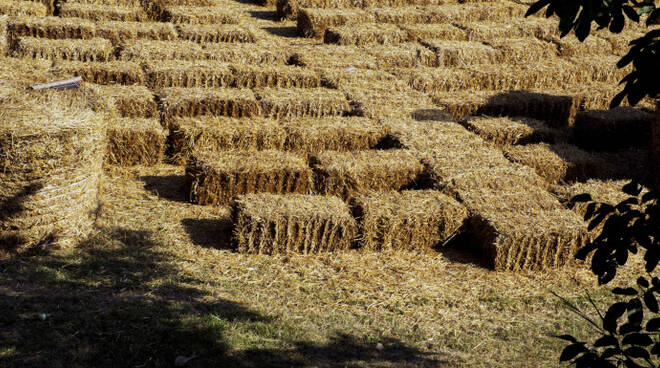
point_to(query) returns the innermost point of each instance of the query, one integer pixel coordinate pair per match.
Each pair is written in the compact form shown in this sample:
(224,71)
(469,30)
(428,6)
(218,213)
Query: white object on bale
(64,84)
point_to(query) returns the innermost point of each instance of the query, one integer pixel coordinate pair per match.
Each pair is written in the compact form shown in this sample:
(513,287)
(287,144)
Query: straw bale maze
(321,126)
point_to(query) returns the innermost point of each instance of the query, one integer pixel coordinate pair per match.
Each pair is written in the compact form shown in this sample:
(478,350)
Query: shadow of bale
(170,187)
(288,32)
(210,233)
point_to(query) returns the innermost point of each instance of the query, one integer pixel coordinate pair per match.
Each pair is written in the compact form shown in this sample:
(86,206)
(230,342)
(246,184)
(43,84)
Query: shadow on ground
(119,300)
(209,233)
(288,32)
(170,187)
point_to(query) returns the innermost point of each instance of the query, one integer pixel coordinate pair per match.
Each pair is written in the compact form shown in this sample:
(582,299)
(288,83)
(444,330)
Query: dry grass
(613,129)
(96,49)
(461,53)
(440,31)
(406,55)
(106,73)
(98,12)
(289,8)
(118,32)
(297,103)
(209,33)
(590,47)
(347,174)
(504,131)
(216,178)
(407,220)
(129,101)
(312,22)
(247,53)
(278,76)
(558,162)
(51,165)
(4,40)
(523,50)
(135,141)
(23,9)
(599,69)
(275,224)
(513,28)
(52,27)
(213,134)
(365,34)
(142,50)
(177,73)
(449,13)
(462,104)
(190,102)
(333,57)
(201,15)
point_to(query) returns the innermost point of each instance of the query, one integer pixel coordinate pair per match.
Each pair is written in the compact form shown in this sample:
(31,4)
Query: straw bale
(141,50)
(216,178)
(410,15)
(135,141)
(312,22)
(440,31)
(364,34)
(620,42)
(523,50)
(406,55)
(96,49)
(449,13)
(289,8)
(308,102)
(177,73)
(534,240)
(259,76)
(600,69)
(383,103)
(207,33)
(613,129)
(201,15)
(374,80)
(510,130)
(407,220)
(108,73)
(312,135)
(513,28)
(592,46)
(333,57)
(118,32)
(294,223)
(439,79)
(347,174)
(191,102)
(126,3)
(23,73)
(460,53)
(101,12)
(218,133)
(462,103)
(557,162)
(156,9)
(52,27)
(4,40)
(23,9)
(545,74)
(129,101)
(247,53)
(556,108)
(51,157)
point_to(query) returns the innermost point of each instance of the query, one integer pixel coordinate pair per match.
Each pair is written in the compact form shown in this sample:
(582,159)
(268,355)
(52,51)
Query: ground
(159,280)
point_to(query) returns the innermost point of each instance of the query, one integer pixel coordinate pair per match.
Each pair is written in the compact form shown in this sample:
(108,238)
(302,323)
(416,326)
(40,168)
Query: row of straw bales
(152,11)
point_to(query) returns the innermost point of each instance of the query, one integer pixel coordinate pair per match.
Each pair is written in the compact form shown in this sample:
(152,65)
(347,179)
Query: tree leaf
(631,13)
(637,352)
(571,351)
(651,301)
(534,8)
(567,338)
(615,311)
(639,339)
(641,281)
(632,188)
(584,197)
(624,291)
(653,324)
(607,340)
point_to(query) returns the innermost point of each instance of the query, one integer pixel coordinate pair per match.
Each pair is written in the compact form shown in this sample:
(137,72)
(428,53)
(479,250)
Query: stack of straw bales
(411,219)
(504,131)
(613,129)
(118,32)
(51,157)
(96,49)
(98,12)
(52,27)
(346,174)
(295,223)
(218,177)
(208,33)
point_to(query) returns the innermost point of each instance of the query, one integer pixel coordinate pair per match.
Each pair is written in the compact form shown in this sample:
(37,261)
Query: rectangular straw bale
(410,15)
(600,69)
(460,53)
(535,240)
(130,101)
(556,108)
(364,34)
(333,56)
(238,103)
(283,76)
(4,40)
(126,3)
(289,8)
(135,141)
(118,32)
(207,33)
(407,220)
(247,53)
(312,22)
(156,9)
(591,46)
(99,12)
(108,73)
(219,133)
(523,50)
(406,55)
(449,13)
(504,131)
(201,15)
(557,162)
(143,50)
(216,178)
(309,102)
(382,103)
(545,74)
(294,223)
(620,43)
(96,49)
(439,31)
(349,78)
(178,73)
(23,9)
(433,80)
(51,27)
(462,103)
(613,129)
(312,135)
(512,28)
(347,174)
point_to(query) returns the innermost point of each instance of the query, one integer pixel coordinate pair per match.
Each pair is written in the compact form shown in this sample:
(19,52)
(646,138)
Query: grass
(158,280)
